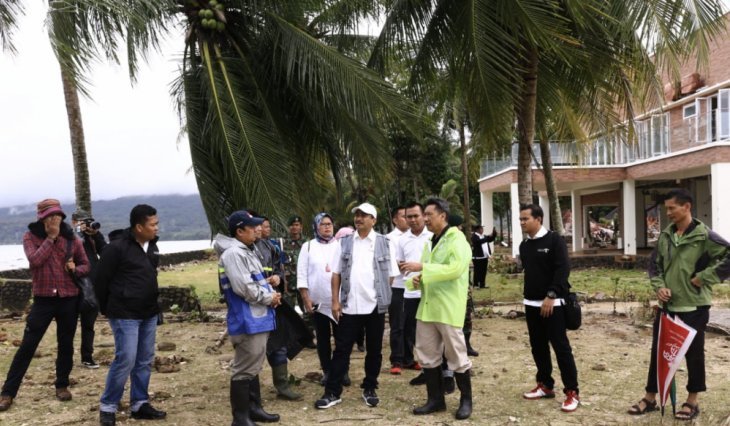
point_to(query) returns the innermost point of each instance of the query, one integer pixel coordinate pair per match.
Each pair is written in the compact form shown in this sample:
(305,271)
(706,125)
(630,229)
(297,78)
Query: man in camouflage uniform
(467,324)
(292,247)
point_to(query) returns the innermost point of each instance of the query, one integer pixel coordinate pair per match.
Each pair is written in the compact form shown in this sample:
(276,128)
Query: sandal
(636,409)
(694,411)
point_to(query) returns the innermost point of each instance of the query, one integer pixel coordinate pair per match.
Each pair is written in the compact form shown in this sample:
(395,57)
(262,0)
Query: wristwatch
(552,295)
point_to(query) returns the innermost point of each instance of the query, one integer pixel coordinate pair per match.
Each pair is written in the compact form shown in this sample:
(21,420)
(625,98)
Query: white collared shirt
(541,233)
(410,249)
(314,272)
(362,299)
(394,236)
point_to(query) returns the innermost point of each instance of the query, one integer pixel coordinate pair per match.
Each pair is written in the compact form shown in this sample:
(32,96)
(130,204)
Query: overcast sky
(131,131)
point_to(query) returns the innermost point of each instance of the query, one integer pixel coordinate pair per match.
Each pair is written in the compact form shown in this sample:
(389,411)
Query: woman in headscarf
(314,277)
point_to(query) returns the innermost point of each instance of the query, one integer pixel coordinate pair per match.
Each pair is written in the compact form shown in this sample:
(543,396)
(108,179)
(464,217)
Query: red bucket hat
(48,207)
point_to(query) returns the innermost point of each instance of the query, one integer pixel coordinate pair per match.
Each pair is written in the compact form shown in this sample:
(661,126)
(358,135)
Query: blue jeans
(134,343)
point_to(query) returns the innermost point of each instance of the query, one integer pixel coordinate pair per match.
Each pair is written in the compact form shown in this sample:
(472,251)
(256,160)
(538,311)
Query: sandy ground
(611,352)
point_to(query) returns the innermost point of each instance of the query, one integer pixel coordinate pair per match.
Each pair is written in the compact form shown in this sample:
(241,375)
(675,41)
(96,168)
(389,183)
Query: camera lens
(95,225)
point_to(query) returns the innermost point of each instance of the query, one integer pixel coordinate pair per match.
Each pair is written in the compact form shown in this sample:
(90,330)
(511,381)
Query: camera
(91,224)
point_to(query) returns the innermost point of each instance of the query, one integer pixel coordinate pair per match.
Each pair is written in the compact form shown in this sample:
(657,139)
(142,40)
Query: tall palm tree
(517,55)
(83,31)
(268,105)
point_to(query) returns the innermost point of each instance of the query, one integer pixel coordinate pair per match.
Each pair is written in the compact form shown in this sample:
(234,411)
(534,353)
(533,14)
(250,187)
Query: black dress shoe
(147,412)
(107,419)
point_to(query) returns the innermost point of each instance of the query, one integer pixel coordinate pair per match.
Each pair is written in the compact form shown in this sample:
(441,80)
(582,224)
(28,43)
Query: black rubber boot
(280,374)
(463,381)
(449,385)
(256,411)
(240,403)
(418,380)
(469,350)
(435,392)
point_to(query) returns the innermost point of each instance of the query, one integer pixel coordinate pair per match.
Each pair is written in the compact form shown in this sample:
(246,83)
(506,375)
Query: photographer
(88,231)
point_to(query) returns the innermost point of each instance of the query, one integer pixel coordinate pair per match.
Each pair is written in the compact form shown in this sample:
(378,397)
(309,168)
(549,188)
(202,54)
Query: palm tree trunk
(464,178)
(525,112)
(78,146)
(556,219)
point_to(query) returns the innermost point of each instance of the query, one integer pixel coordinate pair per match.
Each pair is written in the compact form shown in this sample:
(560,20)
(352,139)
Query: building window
(653,136)
(723,114)
(689,111)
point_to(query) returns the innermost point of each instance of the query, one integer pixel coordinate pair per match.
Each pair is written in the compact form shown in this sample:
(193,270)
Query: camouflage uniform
(291,255)
(469,313)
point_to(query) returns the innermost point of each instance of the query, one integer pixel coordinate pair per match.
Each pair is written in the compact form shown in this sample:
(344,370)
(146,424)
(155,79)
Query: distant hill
(181,217)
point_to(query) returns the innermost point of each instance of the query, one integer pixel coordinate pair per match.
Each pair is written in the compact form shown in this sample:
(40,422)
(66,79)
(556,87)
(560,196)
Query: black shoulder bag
(87,298)
(573,317)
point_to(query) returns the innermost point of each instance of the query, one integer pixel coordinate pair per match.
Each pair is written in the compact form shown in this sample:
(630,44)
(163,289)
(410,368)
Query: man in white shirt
(363,270)
(409,249)
(395,312)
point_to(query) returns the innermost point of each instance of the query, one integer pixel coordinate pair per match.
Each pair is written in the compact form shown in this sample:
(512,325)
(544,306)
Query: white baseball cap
(367,208)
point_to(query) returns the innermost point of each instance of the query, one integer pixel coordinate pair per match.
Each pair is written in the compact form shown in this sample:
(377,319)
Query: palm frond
(10,10)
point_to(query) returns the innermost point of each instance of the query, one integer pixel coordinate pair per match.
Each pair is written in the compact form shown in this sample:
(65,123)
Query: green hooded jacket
(444,280)
(700,252)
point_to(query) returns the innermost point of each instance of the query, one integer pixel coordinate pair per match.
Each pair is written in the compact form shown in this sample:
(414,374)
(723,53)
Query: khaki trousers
(250,351)
(435,340)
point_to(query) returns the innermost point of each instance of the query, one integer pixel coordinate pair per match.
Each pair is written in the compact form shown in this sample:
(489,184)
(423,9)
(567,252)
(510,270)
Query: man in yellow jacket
(444,284)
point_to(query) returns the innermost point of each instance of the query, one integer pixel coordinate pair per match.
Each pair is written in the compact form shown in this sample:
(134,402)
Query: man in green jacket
(444,284)
(688,260)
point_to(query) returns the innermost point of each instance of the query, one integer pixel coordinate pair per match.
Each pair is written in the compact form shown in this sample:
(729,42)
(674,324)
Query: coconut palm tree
(84,31)
(268,104)
(517,56)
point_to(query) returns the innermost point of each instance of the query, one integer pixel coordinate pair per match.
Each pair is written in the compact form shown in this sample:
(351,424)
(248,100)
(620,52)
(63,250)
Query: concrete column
(487,218)
(577,214)
(545,204)
(720,175)
(515,207)
(628,220)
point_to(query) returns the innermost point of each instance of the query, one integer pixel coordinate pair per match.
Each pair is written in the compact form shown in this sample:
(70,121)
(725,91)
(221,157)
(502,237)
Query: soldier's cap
(455,220)
(241,218)
(294,219)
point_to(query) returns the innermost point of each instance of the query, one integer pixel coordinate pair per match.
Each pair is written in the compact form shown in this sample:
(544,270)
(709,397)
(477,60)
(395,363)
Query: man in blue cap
(251,302)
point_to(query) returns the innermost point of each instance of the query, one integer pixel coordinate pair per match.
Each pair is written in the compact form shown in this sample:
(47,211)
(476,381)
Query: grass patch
(201,275)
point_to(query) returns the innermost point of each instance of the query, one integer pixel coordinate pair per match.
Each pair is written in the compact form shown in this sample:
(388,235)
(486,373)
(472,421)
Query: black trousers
(42,312)
(345,336)
(695,356)
(88,321)
(325,329)
(546,332)
(396,319)
(480,272)
(410,307)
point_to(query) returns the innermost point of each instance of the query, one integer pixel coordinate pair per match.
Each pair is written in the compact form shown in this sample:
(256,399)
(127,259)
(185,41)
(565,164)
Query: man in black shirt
(480,253)
(544,257)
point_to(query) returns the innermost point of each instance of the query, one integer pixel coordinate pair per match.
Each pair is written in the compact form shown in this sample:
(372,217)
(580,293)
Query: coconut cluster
(210,14)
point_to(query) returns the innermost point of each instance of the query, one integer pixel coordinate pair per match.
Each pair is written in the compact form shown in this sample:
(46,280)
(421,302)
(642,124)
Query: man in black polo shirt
(544,257)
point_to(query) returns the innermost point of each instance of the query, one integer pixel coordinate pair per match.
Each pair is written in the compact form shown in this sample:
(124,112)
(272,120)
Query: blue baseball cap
(241,218)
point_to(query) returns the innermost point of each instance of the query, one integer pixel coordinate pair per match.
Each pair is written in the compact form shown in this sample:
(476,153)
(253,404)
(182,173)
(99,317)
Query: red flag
(674,339)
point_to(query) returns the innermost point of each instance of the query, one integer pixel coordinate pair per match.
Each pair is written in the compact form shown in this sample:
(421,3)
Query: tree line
(289,107)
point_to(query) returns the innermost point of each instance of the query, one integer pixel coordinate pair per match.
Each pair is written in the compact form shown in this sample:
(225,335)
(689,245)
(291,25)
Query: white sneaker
(571,403)
(540,391)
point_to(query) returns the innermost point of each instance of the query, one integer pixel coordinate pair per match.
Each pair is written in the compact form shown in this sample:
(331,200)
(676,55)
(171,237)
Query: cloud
(131,132)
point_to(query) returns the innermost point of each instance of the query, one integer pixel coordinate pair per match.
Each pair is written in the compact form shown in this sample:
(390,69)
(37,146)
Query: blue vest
(241,318)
